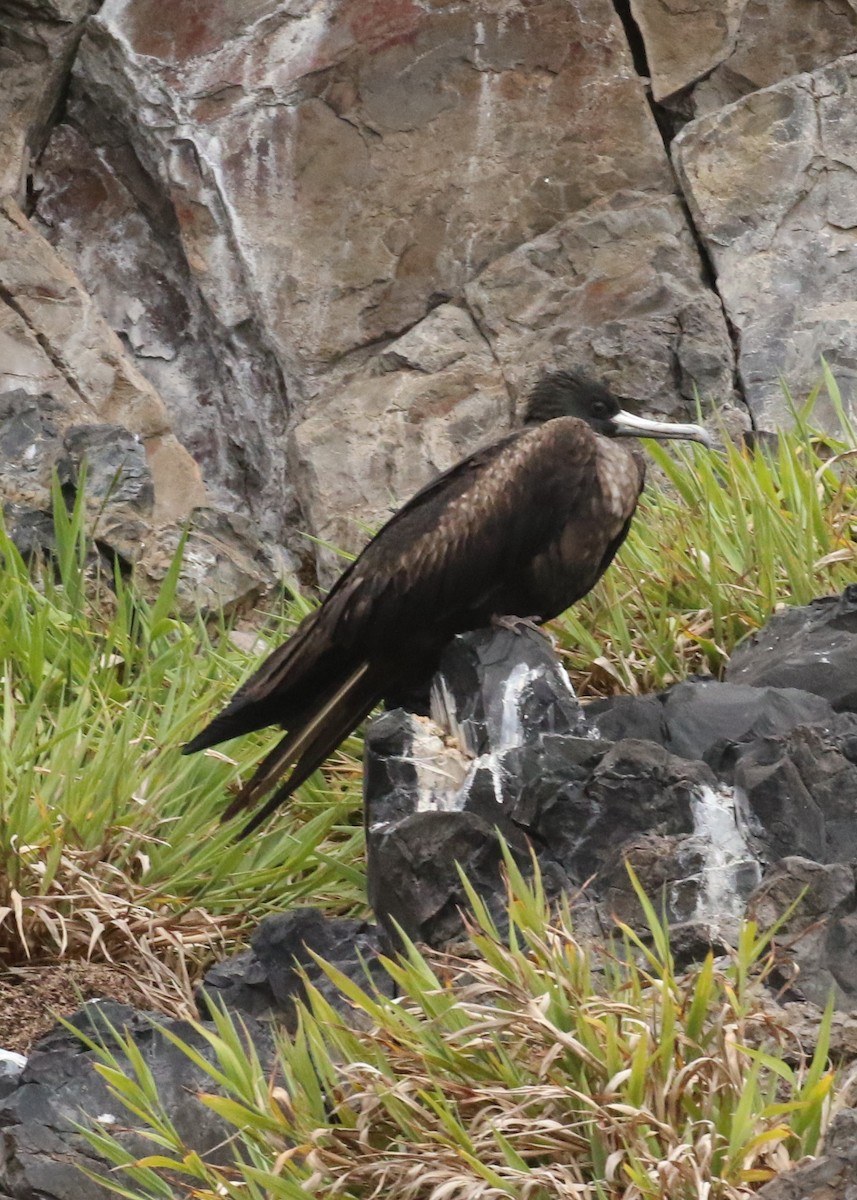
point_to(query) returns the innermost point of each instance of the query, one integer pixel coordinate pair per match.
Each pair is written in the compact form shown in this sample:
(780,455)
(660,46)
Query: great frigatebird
(522,528)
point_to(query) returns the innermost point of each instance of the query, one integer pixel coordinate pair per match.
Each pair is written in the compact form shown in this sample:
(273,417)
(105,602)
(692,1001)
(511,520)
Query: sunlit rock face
(341,238)
(336,166)
(769,184)
(703,58)
(299,196)
(618,288)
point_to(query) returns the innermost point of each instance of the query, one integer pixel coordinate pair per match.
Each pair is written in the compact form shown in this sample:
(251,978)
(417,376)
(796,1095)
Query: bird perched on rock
(522,528)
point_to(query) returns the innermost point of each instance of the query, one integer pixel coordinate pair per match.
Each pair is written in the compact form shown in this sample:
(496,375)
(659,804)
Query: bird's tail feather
(308,745)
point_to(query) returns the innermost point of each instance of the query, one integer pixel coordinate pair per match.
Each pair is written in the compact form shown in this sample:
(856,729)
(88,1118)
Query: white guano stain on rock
(11,1063)
(440,770)
(512,731)
(731,869)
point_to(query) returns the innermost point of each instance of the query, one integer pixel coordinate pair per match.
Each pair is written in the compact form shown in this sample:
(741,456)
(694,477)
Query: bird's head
(568,394)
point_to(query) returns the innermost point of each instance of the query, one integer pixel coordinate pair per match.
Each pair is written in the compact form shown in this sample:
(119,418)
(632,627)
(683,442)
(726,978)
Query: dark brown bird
(523,528)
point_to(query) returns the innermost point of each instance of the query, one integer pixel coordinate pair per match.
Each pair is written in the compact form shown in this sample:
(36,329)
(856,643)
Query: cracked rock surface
(339,240)
(770,185)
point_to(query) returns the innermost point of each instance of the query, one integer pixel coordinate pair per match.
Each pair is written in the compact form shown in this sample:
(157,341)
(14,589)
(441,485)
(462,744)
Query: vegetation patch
(537,1068)
(110,842)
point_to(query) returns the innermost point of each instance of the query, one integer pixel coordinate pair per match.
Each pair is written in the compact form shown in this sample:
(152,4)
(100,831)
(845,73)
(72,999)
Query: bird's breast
(620,479)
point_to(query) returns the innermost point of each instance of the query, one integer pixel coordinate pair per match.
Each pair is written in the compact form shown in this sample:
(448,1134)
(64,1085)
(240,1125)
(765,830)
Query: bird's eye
(599,409)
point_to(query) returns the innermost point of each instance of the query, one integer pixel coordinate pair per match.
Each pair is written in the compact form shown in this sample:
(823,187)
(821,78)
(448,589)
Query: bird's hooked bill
(625,423)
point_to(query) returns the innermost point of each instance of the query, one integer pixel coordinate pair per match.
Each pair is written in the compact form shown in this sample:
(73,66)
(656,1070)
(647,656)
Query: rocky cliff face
(306,253)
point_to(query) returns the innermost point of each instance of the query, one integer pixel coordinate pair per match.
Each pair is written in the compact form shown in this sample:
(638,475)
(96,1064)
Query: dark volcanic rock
(802,789)
(266,980)
(11,1067)
(540,790)
(31,530)
(832,1176)
(637,787)
(813,647)
(578,802)
(115,464)
(413,873)
(690,718)
(501,688)
(820,936)
(41,1150)
(30,441)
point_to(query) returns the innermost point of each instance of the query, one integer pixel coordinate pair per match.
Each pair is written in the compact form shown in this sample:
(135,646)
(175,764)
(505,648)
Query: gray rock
(803,1020)
(31,530)
(830,1176)
(115,467)
(287,226)
(408,757)
(813,646)
(731,47)
(30,445)
(691,718)
(641,318)
(56,344)
(768,184)
(635,788)
(413,874)
(41,1151)
(802,789)
(819,939)
(69,392)
(11,1064)
(224,567)
(668,868)
(267,981)
(11,1067)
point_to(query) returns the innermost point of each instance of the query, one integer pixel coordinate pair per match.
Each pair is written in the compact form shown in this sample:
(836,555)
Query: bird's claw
(517,625)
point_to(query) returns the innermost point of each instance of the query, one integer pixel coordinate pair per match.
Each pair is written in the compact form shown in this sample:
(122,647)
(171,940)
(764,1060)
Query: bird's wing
(441,557)
(437,566)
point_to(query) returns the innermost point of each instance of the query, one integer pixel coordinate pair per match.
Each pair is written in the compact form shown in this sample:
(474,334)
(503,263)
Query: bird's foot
(518,624)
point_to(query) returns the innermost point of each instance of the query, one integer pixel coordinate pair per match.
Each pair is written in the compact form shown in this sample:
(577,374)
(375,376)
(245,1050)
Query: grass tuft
(537,1068)
(110,843)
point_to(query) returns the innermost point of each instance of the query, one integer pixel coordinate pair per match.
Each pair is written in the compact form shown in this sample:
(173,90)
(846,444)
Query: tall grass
(539,1068)
(110,841)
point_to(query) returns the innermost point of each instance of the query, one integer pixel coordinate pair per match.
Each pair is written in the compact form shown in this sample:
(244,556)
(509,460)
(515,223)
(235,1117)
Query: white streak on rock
(443,713)
(514,685)
(440,771)
(730,868)
(11,1064)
